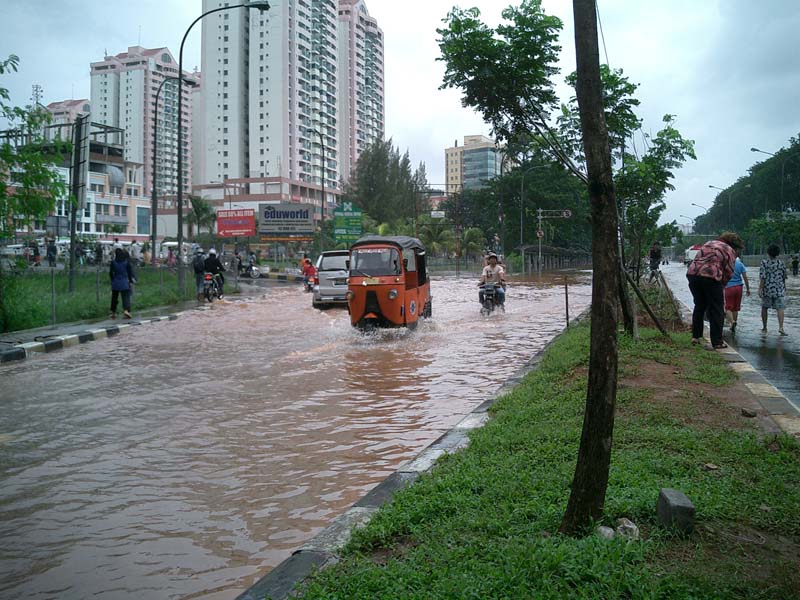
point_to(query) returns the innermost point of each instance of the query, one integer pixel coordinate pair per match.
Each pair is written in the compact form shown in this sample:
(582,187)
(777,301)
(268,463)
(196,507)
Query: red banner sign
(236,223)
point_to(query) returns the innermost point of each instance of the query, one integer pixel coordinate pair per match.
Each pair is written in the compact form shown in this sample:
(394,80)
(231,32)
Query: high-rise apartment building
(275,124)
(361,87)
(470,166)
(123,94)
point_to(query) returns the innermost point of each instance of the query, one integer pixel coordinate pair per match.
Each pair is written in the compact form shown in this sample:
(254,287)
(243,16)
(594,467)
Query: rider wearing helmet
(215,267)
(493,274)
(199,267)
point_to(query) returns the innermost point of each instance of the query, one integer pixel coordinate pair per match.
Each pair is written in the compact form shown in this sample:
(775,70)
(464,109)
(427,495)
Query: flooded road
(776,357)
(185,459)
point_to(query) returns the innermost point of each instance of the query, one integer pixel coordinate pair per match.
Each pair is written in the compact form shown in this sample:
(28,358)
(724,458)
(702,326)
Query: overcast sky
(728,69)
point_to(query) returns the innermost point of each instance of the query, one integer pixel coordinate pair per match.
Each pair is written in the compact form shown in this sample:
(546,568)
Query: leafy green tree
(506,73)
(29,183)
(781,229)
(384,185)
(644,182)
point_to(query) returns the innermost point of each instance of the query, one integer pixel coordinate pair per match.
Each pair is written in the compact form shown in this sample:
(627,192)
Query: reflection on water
(776,357)
(184,459)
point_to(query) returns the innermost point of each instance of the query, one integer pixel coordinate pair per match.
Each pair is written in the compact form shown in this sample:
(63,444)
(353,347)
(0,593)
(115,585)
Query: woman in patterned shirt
(708,273)
(772,286)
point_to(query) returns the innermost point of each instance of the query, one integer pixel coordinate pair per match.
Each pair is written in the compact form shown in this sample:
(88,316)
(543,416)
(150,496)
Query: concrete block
(473,421)
(98,334)
(9,354)
(86,336)
(53,344)
(69,340)
(675,510)
(424,461)
(32,347)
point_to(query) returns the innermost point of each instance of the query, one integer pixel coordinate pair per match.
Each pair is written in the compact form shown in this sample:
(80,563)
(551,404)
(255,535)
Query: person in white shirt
(493,274)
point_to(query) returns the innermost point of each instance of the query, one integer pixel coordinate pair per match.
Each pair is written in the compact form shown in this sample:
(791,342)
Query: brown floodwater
(185,459)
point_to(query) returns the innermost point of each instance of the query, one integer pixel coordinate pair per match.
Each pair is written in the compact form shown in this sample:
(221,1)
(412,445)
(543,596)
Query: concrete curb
(322,550)
(59,342)
(778,413)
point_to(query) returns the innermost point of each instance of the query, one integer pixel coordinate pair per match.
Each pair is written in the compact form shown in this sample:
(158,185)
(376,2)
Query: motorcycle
(211,287)
(309,281)
(491,300)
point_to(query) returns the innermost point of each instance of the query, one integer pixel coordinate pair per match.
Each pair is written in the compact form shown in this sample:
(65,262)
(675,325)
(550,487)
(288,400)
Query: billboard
(236,223)
(347,223)
(285,219)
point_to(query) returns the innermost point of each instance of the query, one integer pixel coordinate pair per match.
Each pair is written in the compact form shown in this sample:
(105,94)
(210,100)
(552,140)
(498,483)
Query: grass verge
(28,298)
(483,523)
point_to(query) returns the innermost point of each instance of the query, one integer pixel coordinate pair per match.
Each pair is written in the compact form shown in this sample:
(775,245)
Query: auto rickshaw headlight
(392,294)
(350,295)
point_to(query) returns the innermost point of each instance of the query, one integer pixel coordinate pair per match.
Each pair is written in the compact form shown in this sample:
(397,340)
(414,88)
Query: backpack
(199,264)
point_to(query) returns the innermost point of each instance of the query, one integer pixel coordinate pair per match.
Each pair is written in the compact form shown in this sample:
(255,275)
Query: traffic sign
(566,214)
(539,233)
(347,223)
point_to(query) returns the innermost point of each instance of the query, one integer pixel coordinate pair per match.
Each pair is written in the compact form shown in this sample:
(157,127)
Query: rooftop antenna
(36,94)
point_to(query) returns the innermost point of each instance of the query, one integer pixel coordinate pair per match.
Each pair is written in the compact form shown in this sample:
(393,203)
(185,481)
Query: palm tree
(437,237)
(202,214)
(473,242)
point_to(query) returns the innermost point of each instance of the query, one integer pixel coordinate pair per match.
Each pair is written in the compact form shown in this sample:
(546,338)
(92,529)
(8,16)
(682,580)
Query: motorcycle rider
(215,267)
(199,268)
(309,271)
(493,274)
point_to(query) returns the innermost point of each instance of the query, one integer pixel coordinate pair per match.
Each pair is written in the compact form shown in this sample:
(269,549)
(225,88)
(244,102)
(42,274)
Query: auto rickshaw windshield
(375,262)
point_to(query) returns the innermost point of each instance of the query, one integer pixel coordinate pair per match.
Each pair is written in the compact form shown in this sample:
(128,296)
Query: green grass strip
(483,523)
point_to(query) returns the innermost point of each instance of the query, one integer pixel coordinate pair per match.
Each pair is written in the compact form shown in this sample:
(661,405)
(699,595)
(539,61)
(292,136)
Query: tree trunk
(594,455)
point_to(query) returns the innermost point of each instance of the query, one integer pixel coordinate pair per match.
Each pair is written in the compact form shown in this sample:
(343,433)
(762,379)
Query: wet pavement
(185,459)
(776,357)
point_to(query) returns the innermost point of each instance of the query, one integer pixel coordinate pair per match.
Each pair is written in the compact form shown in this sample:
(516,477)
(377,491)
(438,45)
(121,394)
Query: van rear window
(333,263)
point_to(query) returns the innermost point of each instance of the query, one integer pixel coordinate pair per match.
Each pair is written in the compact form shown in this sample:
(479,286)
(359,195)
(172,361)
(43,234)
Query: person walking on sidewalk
(794,265)
(708,274)
(772,286)
(122,277)
(733,293)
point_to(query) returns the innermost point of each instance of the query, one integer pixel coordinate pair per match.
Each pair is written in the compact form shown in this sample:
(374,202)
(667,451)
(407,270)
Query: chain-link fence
(40,296)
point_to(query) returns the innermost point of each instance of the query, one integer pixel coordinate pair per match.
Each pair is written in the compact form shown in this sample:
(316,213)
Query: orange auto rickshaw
(388,282)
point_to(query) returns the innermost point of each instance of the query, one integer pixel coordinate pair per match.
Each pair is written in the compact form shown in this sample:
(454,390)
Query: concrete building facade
(361,83)
(123,94)
(470,166)
(272,101)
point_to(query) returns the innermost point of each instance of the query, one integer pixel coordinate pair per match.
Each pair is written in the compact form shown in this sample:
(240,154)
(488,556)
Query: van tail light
(208,276)
(315,280)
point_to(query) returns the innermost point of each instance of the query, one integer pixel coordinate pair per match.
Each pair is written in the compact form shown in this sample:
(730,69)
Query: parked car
(691,253)
(330,286)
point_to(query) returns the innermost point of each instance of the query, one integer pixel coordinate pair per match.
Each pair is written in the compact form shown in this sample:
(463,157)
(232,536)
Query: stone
(605,532)
(710,467)
(627,529)
(675,510)
(746,412)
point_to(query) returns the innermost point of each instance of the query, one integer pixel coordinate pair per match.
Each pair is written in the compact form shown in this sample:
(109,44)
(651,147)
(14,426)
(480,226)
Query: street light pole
(154,208)
(730,198)
(261,5)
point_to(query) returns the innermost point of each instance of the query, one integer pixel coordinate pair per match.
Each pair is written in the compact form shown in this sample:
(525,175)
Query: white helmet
(212,252)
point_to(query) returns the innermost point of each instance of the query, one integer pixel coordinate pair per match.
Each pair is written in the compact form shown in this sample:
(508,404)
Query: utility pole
(76,188)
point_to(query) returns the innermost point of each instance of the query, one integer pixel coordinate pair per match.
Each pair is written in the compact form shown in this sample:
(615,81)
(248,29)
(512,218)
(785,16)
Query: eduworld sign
(285,218)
